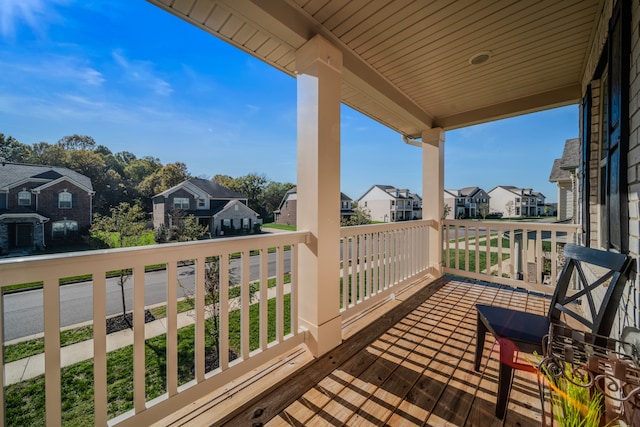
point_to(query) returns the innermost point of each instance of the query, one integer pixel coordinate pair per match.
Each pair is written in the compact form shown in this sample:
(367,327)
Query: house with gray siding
(466,202)
(564,174)
(221,210)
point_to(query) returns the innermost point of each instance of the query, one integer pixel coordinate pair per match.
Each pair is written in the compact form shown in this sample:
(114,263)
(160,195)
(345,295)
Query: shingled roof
(11,173)
(570,160)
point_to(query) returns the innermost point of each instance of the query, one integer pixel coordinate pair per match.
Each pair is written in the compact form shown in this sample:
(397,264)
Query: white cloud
(54,68)
(142,73)
(34,13)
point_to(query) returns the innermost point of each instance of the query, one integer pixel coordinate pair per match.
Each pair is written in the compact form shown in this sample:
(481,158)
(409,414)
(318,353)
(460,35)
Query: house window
(607,166)
(24,198)
(245,223)
(181,202)
(64,229)
(65,200)
(201,203)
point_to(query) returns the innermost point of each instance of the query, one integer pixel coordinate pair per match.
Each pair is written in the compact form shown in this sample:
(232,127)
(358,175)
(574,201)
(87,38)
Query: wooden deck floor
(412,366)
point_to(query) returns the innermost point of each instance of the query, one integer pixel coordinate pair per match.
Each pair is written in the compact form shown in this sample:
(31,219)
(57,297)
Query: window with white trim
(65,200)
(181,202)
(24,198)
(64,229)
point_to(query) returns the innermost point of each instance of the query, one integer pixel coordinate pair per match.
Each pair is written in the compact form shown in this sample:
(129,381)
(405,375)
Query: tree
(484,210)
(361,216)
(43,153)
(11,150)
(164,178)
(183,228)
(122,228)
(272,196)
(77,142)
(509,208)
(446,210)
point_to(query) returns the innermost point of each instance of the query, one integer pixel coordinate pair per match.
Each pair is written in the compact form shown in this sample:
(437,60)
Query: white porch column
(319,68)
(433,190)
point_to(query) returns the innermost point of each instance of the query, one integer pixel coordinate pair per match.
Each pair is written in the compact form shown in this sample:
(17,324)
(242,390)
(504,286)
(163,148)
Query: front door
(24,235)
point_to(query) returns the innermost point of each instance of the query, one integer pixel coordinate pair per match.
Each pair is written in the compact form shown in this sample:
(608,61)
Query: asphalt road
(23,311)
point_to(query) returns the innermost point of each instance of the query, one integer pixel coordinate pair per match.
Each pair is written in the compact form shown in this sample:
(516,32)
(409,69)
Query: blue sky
(158,86)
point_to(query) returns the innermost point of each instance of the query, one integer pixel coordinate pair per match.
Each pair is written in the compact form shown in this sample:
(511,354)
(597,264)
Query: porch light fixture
(480,58)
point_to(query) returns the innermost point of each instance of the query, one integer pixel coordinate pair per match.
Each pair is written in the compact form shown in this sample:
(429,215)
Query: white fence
(377,259)
(523,254)
(236,257)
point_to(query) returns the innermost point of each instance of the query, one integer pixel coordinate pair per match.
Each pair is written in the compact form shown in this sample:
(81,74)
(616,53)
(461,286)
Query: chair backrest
(612,270)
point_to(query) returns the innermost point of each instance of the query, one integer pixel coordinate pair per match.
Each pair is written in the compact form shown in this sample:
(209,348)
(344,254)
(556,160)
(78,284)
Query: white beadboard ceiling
(406,62)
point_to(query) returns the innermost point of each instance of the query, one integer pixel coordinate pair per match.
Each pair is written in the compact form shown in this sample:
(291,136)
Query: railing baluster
(512,254)
(387,259)
(280,294)
(345,270)
(456,253)
(467,265)
(362,264)
(139,389)
(200,295)
(554,258)
(294,290)
(499,240)
(245,296)
(172,324)
(539,259)
(223,311)
(375,261)
(99,348)
(51,296)
(477,251)
(264,298)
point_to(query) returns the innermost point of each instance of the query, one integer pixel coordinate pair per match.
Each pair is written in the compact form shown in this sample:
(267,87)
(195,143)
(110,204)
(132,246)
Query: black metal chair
(518,331)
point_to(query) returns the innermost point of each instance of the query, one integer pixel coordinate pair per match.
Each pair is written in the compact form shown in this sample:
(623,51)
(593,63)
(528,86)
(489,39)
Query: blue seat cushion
(518,326)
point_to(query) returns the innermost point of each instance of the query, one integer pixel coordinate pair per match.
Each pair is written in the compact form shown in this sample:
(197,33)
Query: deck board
(412,366)
(424,373)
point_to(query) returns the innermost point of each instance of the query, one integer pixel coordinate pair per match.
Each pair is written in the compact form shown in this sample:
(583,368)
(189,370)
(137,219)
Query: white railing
(522,254)
(233,255)
(376,260)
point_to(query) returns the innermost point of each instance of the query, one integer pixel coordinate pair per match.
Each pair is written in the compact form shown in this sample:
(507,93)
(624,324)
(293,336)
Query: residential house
(421,69)
(222,210)
(40,205)
(390,204)
(564,174)
(287,211)
(467,202)
(516,202)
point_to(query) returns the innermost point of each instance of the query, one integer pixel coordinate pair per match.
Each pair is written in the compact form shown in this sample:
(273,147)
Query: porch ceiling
(407,63)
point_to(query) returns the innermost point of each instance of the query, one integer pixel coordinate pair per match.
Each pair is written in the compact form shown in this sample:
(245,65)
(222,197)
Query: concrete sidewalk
(32,366)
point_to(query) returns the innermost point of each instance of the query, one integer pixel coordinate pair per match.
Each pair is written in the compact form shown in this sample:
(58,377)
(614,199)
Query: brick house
(42,204)
(222,210)
(287,211)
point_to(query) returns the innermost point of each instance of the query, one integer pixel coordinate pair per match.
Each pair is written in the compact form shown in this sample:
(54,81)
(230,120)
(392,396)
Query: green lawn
(279,226)
(472,259)
(25,401)
(28,348)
